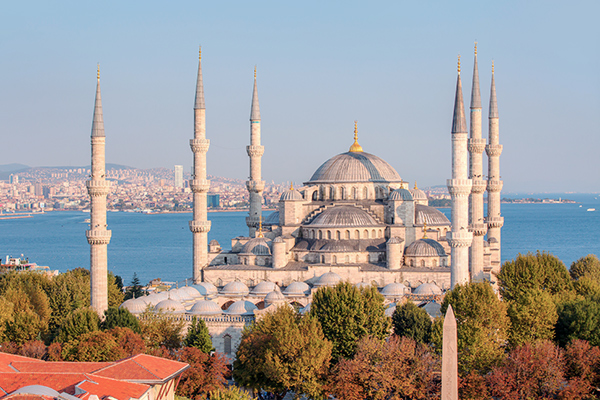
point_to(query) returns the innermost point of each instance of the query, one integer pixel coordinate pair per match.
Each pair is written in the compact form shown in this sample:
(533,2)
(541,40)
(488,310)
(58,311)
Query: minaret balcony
(97,236)
(495,222)
(493,150)
(255,186)
(459,187)
(199,226)
(253,222)
(199,185)
(461,238)
(476,146)
(494,185)
(98,187)
(479,186)
(478,229)
(199,145)
(255,151)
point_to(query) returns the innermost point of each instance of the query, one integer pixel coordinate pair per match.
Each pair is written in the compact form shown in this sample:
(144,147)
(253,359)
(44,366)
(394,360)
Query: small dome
(395,240)
(213,243)
(355,167)
(156,298)
(134,306)
(363,285)
(205,288)
(174,294)
(235,288)
(291,195)
(271,219)
(274,297)
(205,307)
(189,292)
(259,246)
(278,239)
(394,290)
(343,216)
(430,215)
(418,194)
(433,309)
(427,289)
(328,279)
(263,288)
(39,390)
(170,306)
(401,195)
(297,289)
(241,307)
(425,248)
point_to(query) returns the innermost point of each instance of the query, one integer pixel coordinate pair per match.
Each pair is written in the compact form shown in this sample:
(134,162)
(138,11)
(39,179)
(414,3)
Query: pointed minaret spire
(493,103)
(255,109)
(199,104)
(475,92)
(459,123)
(98,121)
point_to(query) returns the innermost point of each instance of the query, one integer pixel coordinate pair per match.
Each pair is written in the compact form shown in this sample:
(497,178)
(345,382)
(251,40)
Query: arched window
(412,263)
(347,259)
(422,263)
(354,193)
(320,234)
(366,234)
(227,344)
(343,193)
(322,259)
(315,196)
(332,192)
(335,259)
(434,263)
(347,235)
(373,234)
(226,305)
(225,260)
(250,282)
(329,235)
(219,282)
(443,262)
(338,235)
(365,193)
(356,234)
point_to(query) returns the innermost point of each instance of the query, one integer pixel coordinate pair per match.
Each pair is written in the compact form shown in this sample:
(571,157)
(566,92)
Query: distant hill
(13,167)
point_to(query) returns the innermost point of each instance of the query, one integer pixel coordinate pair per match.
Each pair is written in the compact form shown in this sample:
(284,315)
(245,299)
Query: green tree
(482,325)
(347,314)
(93,347)
(588,266)
(7,309)
(541,271)
(159,330)
(283,352)
(411,321)
(114,317)
(115,294)
(26,324)
(198,336)
(231,393)
(532,317)
(135,289)
(588,288)
(77,324)
(578,319)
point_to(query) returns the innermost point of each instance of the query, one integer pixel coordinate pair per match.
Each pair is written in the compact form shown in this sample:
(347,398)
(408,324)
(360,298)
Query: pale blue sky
(321,65)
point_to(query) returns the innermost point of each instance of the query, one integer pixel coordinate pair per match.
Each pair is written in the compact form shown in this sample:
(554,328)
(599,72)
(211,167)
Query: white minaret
(476,147)
(199,184)
(494,184)
(98,236)
(255,184)
(460,188)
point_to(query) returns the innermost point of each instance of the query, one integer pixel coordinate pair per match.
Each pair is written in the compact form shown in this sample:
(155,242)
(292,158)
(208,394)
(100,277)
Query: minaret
(255,151)
(494,184)
(476,148)
(459,187)
(199,184)
(98,236)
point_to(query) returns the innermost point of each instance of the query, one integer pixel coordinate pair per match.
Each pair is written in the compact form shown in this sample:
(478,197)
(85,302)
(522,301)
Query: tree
(347,314)
(583,364)
(231,393)
(198,336)
(588,266)
(541,271)
(206,374)
(283,352)
(588,288)
(77,324)
(532,317)
(135,289)
(129,341)
(25,324)
(33,349)
(115,294)
(578,319)
(93,347)
(399,368)
(6,316)
(114,317)
(158,330)
(482,325)
(411,321)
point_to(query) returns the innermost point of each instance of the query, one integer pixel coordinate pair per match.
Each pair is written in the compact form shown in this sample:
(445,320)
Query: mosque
(354,220)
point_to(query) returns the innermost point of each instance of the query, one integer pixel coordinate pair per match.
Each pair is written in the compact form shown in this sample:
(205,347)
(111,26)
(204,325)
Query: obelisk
(449,357)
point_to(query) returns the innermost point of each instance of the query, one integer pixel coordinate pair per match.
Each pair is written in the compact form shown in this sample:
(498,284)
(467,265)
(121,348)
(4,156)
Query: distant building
(13,179)
(213,200)
(178,169)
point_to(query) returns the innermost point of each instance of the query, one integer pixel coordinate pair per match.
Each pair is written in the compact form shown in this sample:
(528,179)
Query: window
(356,234)
(422,263)
(227,344)
(335,259)
(338,235)
(354,193)
(347,259)
(347,235)
(315,196)
(366,236)
(225,259)
(322,259)
(320,234)
(329,235)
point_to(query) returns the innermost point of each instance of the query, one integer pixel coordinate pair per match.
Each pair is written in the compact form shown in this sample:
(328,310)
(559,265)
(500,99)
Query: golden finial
(475,48)
(255,72)
(416,185)
(291,185)
(356,148)
(459,63)
(492,66)
(200,54)
(98,71)
(260,232)
(424,230)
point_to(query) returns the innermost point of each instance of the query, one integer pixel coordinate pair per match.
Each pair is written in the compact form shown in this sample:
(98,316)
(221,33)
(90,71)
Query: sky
(391,65)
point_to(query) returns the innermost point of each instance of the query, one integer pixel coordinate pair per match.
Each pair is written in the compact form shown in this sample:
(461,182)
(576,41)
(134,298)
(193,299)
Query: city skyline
(320,67)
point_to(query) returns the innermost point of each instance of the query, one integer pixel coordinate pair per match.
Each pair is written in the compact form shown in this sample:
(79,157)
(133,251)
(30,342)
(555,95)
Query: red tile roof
(61,366)
(143,368)
(6,358)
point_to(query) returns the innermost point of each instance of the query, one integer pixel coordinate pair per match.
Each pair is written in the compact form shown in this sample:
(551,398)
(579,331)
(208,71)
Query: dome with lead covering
(363,285)
(205,307)
(272,219)
(425,248)
(170,306)
(343,216)
(263,288)
(291,195)
(428,289)
(274,297)
(134,306)
(328,279)
(430,215)
(189,292)
(355,167)
(37,390)
(205,288)
(394,290)
(241,307)
(418,194)
(259,246)
(297,289)
(235,288)
(401,195)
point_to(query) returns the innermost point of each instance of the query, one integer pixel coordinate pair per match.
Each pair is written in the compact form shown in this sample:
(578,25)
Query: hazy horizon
(389,65)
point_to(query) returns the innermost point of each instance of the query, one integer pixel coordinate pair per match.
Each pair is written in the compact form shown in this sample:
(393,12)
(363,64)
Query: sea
(160,245)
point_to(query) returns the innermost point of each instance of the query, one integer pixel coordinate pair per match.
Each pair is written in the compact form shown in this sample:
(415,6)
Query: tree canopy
(588,266)
(411,321)
(198,336)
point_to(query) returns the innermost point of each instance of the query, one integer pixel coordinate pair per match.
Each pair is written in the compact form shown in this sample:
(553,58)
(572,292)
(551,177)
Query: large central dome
(355,167)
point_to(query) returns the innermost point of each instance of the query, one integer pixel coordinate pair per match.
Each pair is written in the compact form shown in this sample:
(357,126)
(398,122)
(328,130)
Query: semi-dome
(272,219)
(241,307)
(205,307)
(291,195)
(343,216)
(328,279)
(427,289)
(170,306)
(355,167)
(274,297)
(263,288)
(297,289)
(400,195)
(235,288)
(134,306)
(394,290)
(205,288)
(259,246)
(425,248)
(430,215)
